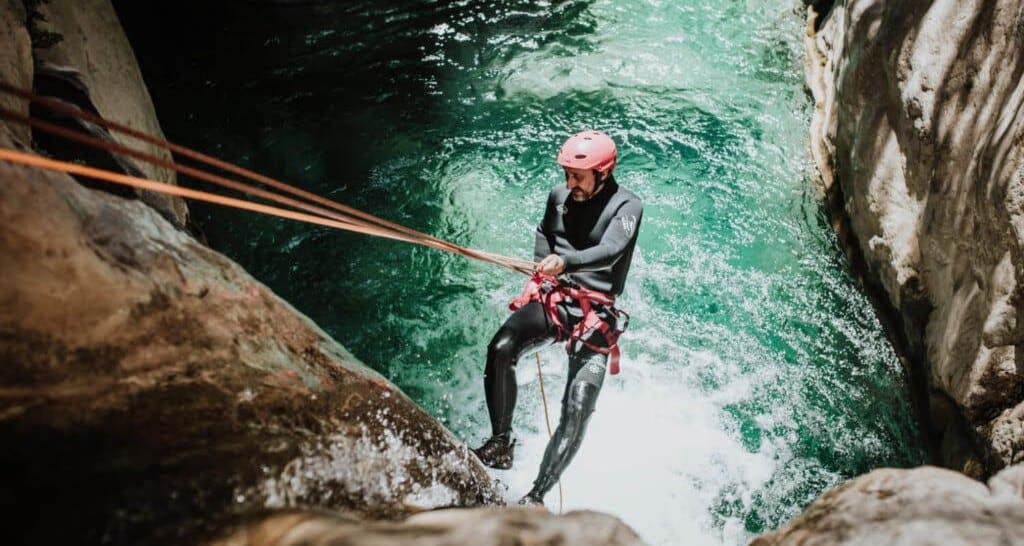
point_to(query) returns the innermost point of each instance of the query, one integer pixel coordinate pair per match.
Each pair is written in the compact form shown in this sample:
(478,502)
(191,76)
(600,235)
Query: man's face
(581,183)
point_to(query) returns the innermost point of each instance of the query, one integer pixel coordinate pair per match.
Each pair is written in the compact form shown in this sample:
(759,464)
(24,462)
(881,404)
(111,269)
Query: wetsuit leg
(586,375)
(527,329)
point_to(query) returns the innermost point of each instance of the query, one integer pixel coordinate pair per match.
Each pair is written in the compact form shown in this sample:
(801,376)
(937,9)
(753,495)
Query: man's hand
(552,265)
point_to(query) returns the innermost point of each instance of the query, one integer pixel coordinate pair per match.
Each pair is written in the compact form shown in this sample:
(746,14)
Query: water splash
(364,470)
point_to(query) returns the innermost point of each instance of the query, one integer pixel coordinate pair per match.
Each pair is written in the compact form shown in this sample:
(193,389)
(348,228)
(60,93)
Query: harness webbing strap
(550,292)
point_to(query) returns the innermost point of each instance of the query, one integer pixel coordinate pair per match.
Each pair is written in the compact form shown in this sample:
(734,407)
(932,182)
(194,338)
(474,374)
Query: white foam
(657,453)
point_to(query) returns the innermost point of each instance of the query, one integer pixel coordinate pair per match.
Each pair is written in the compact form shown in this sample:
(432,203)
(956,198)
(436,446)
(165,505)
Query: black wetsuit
(596,238)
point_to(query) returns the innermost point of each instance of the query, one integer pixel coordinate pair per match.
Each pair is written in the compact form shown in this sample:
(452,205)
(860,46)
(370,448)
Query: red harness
(550,292)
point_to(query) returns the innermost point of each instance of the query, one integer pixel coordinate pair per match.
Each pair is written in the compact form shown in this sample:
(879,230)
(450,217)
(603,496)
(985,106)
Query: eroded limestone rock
(918,132)
(87,37)
(149,381)
(923,506)
(479,527)
(148,385)
(15,62)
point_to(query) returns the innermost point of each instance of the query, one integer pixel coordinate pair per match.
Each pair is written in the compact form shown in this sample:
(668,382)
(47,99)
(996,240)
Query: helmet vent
(587,138)
(581,156)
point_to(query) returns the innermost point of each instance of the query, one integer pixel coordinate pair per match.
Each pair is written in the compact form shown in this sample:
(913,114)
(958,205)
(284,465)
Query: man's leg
(527,329)
(586,375)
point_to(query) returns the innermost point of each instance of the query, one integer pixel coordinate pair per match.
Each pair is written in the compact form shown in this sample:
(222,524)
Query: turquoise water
(755,375)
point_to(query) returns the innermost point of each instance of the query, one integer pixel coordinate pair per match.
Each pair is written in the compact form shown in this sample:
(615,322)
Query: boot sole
(500,464)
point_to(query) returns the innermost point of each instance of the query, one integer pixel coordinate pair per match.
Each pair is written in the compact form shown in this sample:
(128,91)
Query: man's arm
(616,238)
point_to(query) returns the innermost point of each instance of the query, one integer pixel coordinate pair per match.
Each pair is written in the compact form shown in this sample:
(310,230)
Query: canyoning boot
(496,452)
(531,499)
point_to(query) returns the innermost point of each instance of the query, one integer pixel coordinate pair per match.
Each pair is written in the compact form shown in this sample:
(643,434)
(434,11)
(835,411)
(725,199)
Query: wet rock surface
(923,506)
(918,139)
(481,526)
(148,380)
(149,387)
(85,37)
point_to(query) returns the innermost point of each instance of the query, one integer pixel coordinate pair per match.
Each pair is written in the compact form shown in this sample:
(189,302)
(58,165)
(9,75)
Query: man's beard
(580,195)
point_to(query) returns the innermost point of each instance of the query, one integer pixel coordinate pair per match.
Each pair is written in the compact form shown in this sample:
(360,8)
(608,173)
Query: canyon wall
(151,390)
(917,140)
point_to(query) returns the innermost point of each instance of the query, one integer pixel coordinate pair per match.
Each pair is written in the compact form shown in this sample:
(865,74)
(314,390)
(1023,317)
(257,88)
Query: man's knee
(504,347)
(582,399)
(504,342)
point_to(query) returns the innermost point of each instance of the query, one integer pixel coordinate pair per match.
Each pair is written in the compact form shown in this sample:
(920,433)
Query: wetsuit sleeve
(542,242)
(621,230)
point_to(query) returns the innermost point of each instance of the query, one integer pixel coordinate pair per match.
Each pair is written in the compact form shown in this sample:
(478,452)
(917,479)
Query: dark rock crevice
(65,85)
(897,324)
(35,21)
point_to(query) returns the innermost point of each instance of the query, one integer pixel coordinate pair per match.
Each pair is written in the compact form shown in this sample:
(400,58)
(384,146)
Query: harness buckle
(621,327)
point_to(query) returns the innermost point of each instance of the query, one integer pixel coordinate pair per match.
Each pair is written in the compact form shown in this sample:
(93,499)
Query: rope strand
(547,421)
(30,160)
(91,141)
(517,264)
(346,218)
(335,215)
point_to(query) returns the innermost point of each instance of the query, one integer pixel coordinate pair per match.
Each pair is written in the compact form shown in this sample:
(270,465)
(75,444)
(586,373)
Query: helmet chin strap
(597,188)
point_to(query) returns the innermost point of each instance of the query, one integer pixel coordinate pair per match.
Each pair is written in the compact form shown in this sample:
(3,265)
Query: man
(587,237)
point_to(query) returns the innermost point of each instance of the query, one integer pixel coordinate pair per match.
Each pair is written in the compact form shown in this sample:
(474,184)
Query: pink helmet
(589,150)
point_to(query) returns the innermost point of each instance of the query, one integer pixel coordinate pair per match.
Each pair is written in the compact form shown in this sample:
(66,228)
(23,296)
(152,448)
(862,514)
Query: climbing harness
(550,291)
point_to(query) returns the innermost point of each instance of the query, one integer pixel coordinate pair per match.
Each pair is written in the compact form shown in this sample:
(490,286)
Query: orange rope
(547,421)
(95,142)
(523,266)
(341,217)
(38,162)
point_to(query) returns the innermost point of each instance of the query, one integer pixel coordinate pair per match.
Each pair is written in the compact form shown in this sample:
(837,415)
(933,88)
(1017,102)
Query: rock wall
(149,387)
(918,139)
(15,63)
(479,527)
(86,36)
(917,507)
